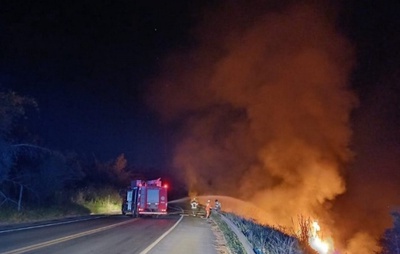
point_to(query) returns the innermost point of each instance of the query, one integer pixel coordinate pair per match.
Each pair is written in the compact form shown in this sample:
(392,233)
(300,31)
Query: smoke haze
(262,108)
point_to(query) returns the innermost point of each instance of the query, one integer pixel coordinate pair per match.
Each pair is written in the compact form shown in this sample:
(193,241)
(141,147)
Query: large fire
(316,242)
(261,110)
(322,245)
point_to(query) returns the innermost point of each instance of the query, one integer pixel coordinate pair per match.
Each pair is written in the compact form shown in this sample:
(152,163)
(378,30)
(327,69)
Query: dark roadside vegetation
(262,238)
(266,239)
(39,183)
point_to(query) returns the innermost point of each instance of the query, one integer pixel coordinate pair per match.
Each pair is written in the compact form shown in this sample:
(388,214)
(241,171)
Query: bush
(266,239)
(99,200)
(390,241)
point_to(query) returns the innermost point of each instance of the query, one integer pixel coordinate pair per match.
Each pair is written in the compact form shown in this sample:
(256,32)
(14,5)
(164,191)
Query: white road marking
(48,225)
(64,239)
(151,246)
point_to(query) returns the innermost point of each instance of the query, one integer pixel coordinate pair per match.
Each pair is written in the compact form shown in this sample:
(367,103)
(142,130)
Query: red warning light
(165,186)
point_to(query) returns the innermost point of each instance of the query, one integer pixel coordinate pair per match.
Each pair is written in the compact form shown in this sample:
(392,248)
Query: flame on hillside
(312,229)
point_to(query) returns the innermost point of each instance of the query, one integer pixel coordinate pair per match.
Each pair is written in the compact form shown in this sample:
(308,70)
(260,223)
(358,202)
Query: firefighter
(217,205)
(208,209)
(194,204)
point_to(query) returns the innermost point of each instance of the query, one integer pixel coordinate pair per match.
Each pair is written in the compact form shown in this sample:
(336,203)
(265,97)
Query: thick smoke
(262,106)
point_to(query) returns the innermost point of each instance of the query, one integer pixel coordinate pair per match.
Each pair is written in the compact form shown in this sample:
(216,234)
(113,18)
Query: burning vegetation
(262,105)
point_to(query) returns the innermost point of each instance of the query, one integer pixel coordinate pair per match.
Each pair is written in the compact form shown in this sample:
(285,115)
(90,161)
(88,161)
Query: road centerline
(65,238)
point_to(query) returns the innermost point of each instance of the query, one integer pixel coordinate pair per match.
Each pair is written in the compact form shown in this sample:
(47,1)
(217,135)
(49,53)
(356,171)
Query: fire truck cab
(145,198)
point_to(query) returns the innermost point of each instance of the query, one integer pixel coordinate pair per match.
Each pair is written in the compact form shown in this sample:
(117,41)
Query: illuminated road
(103,235)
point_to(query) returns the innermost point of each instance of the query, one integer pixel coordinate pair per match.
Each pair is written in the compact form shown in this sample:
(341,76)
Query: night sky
(94,66)
(86,63)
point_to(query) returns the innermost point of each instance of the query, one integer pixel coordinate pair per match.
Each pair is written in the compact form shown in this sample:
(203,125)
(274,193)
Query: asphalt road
(100,235)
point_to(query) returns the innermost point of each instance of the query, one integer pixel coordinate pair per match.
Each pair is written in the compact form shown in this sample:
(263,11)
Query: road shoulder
(194,235)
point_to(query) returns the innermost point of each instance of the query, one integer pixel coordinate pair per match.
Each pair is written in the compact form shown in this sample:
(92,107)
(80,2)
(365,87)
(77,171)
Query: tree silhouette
(25,168)
(12,109)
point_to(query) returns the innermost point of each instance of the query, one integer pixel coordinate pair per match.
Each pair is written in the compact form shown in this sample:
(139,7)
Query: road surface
(112,234)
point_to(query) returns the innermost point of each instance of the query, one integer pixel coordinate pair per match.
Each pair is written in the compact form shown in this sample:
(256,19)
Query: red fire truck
(145,198)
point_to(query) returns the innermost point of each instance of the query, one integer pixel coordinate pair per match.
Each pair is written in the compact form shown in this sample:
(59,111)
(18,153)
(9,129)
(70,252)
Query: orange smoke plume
(262,106)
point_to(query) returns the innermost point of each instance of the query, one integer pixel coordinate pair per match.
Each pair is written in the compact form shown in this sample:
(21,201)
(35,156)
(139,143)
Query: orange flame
(316,242)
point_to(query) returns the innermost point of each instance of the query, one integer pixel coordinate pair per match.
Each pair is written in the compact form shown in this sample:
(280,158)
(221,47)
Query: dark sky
(87,62)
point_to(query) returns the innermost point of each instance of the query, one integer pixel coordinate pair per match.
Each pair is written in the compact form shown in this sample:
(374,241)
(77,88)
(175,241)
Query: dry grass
(227,237)
(221,244)
(265,239)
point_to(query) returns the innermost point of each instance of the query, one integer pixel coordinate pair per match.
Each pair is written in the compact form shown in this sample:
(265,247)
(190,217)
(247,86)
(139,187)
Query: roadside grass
(221,244)
(264,239)
(99,201)
(103,206)
(233,242)
(9,215)
(81,202)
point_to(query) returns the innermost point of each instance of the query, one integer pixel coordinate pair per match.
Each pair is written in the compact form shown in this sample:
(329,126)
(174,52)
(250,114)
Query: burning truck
(145,198)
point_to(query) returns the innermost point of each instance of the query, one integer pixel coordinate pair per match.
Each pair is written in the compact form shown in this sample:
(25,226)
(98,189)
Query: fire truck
(145,198)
